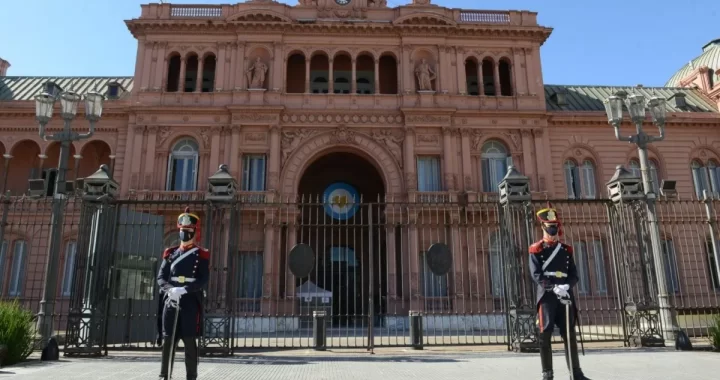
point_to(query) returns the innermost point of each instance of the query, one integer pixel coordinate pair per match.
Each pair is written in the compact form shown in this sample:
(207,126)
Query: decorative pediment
(259,15)
(424,18)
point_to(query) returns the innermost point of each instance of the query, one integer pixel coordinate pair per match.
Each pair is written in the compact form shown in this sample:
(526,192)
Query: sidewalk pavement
(598,364)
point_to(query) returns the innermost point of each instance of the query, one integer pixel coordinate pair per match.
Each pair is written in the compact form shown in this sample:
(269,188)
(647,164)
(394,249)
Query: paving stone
(304,364)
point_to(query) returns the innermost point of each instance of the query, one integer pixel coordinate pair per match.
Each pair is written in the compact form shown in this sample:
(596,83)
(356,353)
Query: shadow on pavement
(293,360)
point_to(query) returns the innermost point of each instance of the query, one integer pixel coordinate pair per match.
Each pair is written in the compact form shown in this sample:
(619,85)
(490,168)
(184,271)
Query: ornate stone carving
(205,135)
(428,139)
(425,75)
(256,117)
(152,128)
(392,142)
(449,181)
(342,135)
(410,181)
(291,140)
(452,131)
(140,129)
(273,180)
(468,183)
(514,136)
(538,132)
(256,137)
(256,74)
(428,119)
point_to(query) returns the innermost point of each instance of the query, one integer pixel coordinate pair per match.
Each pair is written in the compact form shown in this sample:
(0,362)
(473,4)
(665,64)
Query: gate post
(217,320)
(642,313)
(516,235)
(90,294)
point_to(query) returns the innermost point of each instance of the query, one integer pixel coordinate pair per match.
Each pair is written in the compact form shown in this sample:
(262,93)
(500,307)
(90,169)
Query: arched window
(182,166)
(494,163)
(580,181)
(634,167)
(705,178)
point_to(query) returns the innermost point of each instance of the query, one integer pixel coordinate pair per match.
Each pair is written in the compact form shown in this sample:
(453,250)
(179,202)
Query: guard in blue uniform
(553,270)
(183,274)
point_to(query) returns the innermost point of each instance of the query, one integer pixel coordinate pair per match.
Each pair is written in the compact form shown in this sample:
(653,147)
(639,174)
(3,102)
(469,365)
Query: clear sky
(594,42)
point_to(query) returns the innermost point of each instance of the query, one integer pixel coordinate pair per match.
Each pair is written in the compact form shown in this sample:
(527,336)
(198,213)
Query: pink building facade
(430,107)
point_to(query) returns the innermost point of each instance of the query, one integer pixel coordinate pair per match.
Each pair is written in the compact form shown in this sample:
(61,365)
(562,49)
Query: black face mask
(186,236)
(551,230)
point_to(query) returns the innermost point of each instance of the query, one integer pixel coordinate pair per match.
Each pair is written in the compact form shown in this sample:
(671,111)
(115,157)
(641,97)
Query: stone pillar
(199,79)
(413,258)
(481,85)
(181,76)
(406,70)
(331,79)
(377,76)
(214,147)
(127,159)
(496,77)
(235,151)
(232,54)
(448,158)
(268,293)
(273,177)
(220,65)
(466,159)
(528,149)
(139,62)
(137,157)
(146,65)
(460,64)
(409,160)
(239,82)
(149,157)
(353,86)
(160,75)
(544,170)
(440,84)
(276,78)
(307,75)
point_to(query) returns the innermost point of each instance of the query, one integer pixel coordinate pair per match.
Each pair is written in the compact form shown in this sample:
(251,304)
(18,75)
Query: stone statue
(425,75)
(256,74)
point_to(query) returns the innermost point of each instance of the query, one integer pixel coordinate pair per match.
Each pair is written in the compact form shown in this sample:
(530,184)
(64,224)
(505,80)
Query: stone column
(146,65)
(481,85)
(199,79)
(149,156)
(307,75)
(235,151)
(406,70)
(140,61)
(274,159)
(220,65)
(496,77)
(413,258)
(137,157)
(127,159)
(448,154)
(353,86)
(543,170)
(466,159)
(159,81)
(181,76)
(276,63)
(440,70)
(460,64)
(232,54)
(214,148)
(409,160)
(528,149)
(377,76)
(331,79)
(239,82)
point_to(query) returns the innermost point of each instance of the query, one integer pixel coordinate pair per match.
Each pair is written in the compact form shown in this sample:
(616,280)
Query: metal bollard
(416,330)
(319,330)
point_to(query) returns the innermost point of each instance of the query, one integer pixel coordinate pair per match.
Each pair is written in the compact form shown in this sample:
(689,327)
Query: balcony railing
(485,17)
(196,11)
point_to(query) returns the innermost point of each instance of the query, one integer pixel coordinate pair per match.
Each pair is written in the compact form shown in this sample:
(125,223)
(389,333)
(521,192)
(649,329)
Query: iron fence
(369,272)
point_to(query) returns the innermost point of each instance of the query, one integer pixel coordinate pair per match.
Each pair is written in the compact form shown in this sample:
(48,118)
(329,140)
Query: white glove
(177,292)
(562,290)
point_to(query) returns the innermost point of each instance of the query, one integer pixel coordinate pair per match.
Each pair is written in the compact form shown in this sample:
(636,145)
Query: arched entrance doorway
(340,215)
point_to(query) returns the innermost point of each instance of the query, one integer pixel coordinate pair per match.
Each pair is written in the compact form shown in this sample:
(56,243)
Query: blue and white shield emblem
(341,201)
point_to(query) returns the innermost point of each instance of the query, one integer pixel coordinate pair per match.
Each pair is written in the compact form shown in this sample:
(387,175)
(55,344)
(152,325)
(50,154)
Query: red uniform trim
(204,254)
(536,248)
(568,248)
(168,252)
(540,315)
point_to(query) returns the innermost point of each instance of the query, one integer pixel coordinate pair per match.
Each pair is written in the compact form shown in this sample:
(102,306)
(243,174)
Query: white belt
(556,274)
(182,279)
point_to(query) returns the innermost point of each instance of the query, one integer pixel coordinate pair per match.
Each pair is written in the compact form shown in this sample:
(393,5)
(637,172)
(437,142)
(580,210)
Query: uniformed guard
(183,274)
(553,269)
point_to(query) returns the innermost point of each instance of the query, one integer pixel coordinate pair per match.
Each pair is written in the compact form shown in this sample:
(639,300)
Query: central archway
(341,206)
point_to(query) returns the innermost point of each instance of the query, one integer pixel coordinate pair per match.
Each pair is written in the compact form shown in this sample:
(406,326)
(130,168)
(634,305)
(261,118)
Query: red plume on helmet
(550,215)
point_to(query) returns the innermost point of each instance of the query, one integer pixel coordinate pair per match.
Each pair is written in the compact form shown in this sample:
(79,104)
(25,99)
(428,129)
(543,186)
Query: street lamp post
(636,106)
(44,104)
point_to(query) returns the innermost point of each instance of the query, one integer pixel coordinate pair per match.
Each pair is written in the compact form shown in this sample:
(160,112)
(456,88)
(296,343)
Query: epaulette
(169,251)
(536,247)
(568,248)
(204,253)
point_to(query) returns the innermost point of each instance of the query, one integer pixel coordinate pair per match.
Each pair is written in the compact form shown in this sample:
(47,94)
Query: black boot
(165,362)
(546,355)
(578,374)
(191,358)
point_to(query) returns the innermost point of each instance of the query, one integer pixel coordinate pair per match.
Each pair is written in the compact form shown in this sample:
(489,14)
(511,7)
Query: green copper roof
(590,98)
(710,57)
(25,88)
(577,98)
